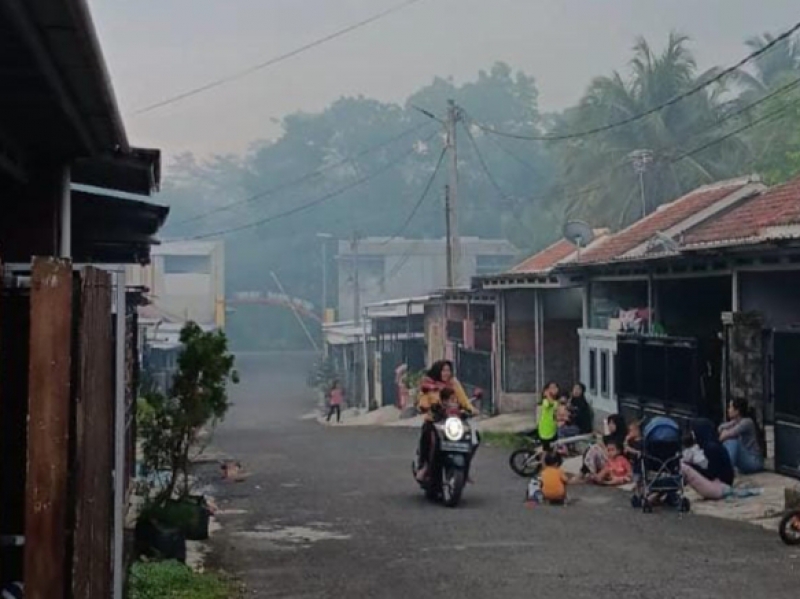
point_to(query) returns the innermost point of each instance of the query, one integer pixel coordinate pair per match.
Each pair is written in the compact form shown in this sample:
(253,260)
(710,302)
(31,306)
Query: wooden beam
(48,429)
(94,440)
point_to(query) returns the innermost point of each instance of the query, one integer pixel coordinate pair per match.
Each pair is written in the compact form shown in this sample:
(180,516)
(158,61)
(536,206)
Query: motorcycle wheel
(524,463)
(453,482)
(789,528)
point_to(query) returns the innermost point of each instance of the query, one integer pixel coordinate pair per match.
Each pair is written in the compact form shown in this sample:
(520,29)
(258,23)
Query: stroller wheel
(686,505)
(636,502)
(647,507)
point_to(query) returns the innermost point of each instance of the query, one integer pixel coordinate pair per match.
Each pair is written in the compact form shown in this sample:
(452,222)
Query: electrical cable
(302,179)
(313,203)
(277,59)
(671,102)
(421,199)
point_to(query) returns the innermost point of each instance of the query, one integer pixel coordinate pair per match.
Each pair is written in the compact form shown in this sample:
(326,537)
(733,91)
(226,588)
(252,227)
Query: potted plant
(170,428)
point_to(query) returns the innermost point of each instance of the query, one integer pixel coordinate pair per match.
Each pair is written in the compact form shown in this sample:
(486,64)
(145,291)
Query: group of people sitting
(710,458)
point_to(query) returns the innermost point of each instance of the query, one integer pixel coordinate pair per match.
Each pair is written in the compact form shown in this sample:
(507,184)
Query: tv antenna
(579,233)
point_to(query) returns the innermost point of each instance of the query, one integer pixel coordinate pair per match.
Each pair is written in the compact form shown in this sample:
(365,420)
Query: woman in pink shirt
(335,399)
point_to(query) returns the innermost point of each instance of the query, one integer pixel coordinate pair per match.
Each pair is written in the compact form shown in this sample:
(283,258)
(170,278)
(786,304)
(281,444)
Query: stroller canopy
(662,430)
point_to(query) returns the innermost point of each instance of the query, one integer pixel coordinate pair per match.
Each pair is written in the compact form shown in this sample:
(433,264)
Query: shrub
(171,580)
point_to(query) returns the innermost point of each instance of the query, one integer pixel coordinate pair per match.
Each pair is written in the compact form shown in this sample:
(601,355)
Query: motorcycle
(454,447)
(527,461)
(789,528)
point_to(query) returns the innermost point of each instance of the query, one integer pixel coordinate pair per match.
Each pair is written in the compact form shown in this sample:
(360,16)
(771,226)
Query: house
(399,268)
(186,281)
(697,304)
(74,213)
(538,315)
(460,326)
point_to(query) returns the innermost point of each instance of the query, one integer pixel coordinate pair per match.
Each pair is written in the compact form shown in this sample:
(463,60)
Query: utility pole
(454,242)
(324,237)
(448,237)
(641,158)
(354,241)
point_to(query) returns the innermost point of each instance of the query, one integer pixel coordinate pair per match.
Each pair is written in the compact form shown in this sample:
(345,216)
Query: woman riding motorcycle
(439,377)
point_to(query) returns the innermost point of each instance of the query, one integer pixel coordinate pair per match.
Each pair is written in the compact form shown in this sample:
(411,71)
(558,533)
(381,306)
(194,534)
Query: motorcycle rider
(439,378)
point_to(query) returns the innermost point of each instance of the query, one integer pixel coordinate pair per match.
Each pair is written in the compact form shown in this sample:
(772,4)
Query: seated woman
(582,415)
(596,456)
(740,436)
(715,480)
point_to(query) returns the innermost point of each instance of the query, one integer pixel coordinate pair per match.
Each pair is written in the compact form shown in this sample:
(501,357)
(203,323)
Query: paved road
(333,512)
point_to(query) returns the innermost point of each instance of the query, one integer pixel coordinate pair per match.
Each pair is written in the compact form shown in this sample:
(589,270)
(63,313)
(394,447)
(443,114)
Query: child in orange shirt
(554,481)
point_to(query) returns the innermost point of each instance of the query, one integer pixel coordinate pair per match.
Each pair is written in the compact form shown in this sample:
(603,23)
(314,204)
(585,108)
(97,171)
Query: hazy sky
(156,48)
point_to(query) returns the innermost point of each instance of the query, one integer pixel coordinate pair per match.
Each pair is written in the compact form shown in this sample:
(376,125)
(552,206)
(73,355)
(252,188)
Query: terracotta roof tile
(776,207)
(666,217)
(547,258)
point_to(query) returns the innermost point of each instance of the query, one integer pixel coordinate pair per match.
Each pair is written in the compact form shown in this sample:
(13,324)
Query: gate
(474,369)
(786,388)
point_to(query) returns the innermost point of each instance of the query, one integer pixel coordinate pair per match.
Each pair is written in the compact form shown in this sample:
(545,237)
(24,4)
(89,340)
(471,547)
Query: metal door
(786,388)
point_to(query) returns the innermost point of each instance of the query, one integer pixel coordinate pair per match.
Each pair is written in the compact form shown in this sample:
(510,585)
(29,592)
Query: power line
(313,203)
(765,118)
(277,59)
(302,179)
(658,108)
(421,199)
(485,167)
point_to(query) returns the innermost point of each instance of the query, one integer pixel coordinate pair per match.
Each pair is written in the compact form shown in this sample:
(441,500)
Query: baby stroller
(658,468)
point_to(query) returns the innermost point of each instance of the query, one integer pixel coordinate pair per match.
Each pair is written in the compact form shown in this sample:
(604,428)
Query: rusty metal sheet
(94,439)
(49,377)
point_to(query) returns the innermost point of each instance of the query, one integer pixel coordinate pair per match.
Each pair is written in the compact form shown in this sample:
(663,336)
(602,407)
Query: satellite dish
(579,233)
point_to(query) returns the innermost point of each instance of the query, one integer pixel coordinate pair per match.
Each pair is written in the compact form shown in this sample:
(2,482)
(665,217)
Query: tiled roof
(752,219)
(666,217)
(547,258)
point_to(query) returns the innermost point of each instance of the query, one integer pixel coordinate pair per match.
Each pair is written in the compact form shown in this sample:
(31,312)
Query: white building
(397,268)
(186,281)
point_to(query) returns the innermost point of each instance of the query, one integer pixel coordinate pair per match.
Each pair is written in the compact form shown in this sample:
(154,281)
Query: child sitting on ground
(553,480)
(617,470)
(566,428)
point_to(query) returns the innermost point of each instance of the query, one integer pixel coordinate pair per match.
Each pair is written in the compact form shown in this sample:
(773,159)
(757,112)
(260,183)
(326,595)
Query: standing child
(547,425)
(554,480)
(336,399)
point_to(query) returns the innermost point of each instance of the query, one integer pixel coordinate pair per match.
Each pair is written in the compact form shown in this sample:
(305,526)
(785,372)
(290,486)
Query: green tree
(605,188)
(169,426)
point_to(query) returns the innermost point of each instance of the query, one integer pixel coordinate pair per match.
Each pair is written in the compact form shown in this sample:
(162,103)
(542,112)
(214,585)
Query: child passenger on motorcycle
(438,380)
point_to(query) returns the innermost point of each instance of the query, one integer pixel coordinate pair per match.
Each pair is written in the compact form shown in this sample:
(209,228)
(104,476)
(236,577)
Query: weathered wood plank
(94,442)
(48,429)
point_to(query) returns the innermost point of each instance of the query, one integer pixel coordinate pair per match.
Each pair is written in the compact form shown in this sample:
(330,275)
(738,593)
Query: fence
(475,370)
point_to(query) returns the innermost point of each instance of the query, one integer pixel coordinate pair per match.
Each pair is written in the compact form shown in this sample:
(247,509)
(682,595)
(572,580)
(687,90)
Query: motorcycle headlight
(453,429)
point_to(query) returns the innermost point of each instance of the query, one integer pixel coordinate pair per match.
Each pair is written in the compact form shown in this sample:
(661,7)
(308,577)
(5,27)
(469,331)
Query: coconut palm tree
(602,163)
(772,69)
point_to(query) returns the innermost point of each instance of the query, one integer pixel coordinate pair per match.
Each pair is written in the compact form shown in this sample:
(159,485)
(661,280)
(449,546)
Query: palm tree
(606,188)
(772,69)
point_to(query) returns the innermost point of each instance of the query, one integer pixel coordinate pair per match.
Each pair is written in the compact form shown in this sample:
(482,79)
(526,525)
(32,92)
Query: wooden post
(48,429)
(94,440)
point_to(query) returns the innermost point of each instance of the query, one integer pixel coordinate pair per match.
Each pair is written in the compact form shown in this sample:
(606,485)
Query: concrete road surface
(333,512)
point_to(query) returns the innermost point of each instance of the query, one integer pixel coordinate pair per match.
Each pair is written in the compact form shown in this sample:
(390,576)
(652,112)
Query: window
(492,264)
(593,371)
(183,265)
(605,368)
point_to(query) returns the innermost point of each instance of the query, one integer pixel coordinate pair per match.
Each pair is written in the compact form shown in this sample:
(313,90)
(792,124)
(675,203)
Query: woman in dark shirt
(582,411)
(714,481)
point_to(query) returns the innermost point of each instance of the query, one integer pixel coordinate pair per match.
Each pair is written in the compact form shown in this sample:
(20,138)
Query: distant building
(397,268)
(186,281)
